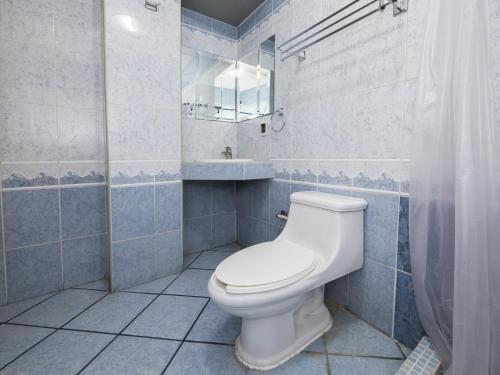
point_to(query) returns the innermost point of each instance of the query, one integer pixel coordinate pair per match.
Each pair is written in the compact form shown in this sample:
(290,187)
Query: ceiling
(232,12)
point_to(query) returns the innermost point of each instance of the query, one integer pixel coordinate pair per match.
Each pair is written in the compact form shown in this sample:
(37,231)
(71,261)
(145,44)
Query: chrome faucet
(227,153)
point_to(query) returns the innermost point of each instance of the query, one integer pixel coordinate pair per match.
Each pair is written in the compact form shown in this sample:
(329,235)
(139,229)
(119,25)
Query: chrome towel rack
(298,45)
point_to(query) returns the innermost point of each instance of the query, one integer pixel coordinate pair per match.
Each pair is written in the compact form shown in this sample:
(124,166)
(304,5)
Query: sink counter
(227,169)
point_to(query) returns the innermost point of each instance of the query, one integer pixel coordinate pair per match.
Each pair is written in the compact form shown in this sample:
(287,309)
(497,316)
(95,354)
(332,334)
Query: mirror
(217,88)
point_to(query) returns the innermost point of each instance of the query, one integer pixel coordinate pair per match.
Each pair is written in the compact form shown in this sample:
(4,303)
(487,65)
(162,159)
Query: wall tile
(31,217)
(223,197)
(371,294)
(279,200)
(197,234)
(379,175)
(275,231)
(335,173)
(168,253)
(338,290)
(303,187)
(33,271)
(245,230)
(381,221)
(85,260)
(404,262)
(132,212)
(261,199)
(133,262)
(223,229)
(244,199)
(260,231)
(132,172)
(407,326)
(168,206)
(197,198)
(29,132)
(82,172)
(83,211)
(3,291)
(27,174)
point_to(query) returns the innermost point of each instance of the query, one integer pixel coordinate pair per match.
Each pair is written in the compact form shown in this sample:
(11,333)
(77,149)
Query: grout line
(22,312)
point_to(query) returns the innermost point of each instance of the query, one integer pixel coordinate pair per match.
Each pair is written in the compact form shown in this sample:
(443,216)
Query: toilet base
(266,343)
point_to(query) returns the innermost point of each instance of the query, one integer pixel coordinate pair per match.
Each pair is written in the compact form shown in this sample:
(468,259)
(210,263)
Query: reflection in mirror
(256,82)
(208,86)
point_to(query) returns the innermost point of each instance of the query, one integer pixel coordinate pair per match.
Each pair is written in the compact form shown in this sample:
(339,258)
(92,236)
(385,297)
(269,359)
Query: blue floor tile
(11,310)
(210,259)
(62,353)
(344,365)
(58,310)
(188,259)
(112,313)
(133,356)
(191,283)
(318,346)
(156,286)
(310,364)
(206,359)
(351,336)
(229,247)
(96,285)
(216,325)
(168,317)
(14,340)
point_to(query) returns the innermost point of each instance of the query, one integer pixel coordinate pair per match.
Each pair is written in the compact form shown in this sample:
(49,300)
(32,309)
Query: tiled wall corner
(209,214)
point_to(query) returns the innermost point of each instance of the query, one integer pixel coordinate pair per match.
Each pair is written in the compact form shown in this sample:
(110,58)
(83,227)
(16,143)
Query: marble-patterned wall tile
(15,175)
(244,198)
(261,200)
(279,201)
(377,175)
(132,172)
(202,41)
(223,197)
(245,229)
(371,293)
(82,172)
(29,132)
(251,143)
(81,133)
(3,290)
(133,262)
(408,329)
(197,234)
(305,170)
(195,134)
(85,260)
(223,229)
(403,261)
(168,247)
(83,211)
(33,271)
(168,207)
(132,211)
(381,227)
(30,217)
(197,199)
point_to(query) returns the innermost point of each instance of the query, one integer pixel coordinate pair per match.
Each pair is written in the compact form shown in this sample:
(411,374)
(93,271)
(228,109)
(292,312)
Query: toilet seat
(265,267)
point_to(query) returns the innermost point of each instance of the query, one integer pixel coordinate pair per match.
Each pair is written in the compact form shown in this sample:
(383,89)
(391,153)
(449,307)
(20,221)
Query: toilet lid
(264,267)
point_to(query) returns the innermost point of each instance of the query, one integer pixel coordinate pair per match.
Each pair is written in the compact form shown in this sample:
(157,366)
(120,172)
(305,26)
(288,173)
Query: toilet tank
(329,224)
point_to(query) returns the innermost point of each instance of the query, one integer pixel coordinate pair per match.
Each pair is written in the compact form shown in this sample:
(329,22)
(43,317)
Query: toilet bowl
(277,287)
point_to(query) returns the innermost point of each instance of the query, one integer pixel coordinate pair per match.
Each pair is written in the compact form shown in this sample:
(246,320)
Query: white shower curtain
(454,195)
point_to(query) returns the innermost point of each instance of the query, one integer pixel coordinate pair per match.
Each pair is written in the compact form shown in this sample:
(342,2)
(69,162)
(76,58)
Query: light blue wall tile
(371,294)
(168,253)
(85,260)
(244,200)
(280,200)
(83,211)
(1,225)
(197,172)
(223,229)
(258,171)
(64,352)
(408,328)
(223,197)
(275,231)
(303,187)
(404,261)
(245,230)
(126,354)
(229,172)
(197,358)
(260,231)
(261,200)
(3,295)
(132,212)
(338,290)
(33,271)
(31,217)
(168,206)
(197,234)
(197,198)
(133,262)
(381,226)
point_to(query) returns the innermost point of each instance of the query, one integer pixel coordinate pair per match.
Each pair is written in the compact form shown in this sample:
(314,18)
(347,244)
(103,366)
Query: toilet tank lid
(329,201)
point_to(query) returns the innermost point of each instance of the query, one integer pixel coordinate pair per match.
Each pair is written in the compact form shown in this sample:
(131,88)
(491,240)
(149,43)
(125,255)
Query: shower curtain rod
(299,49)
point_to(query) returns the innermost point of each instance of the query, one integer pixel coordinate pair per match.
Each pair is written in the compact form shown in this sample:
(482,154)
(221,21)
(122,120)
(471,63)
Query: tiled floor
(168,326)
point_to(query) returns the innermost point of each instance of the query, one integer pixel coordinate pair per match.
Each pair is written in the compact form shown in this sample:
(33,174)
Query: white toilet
(278,287)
